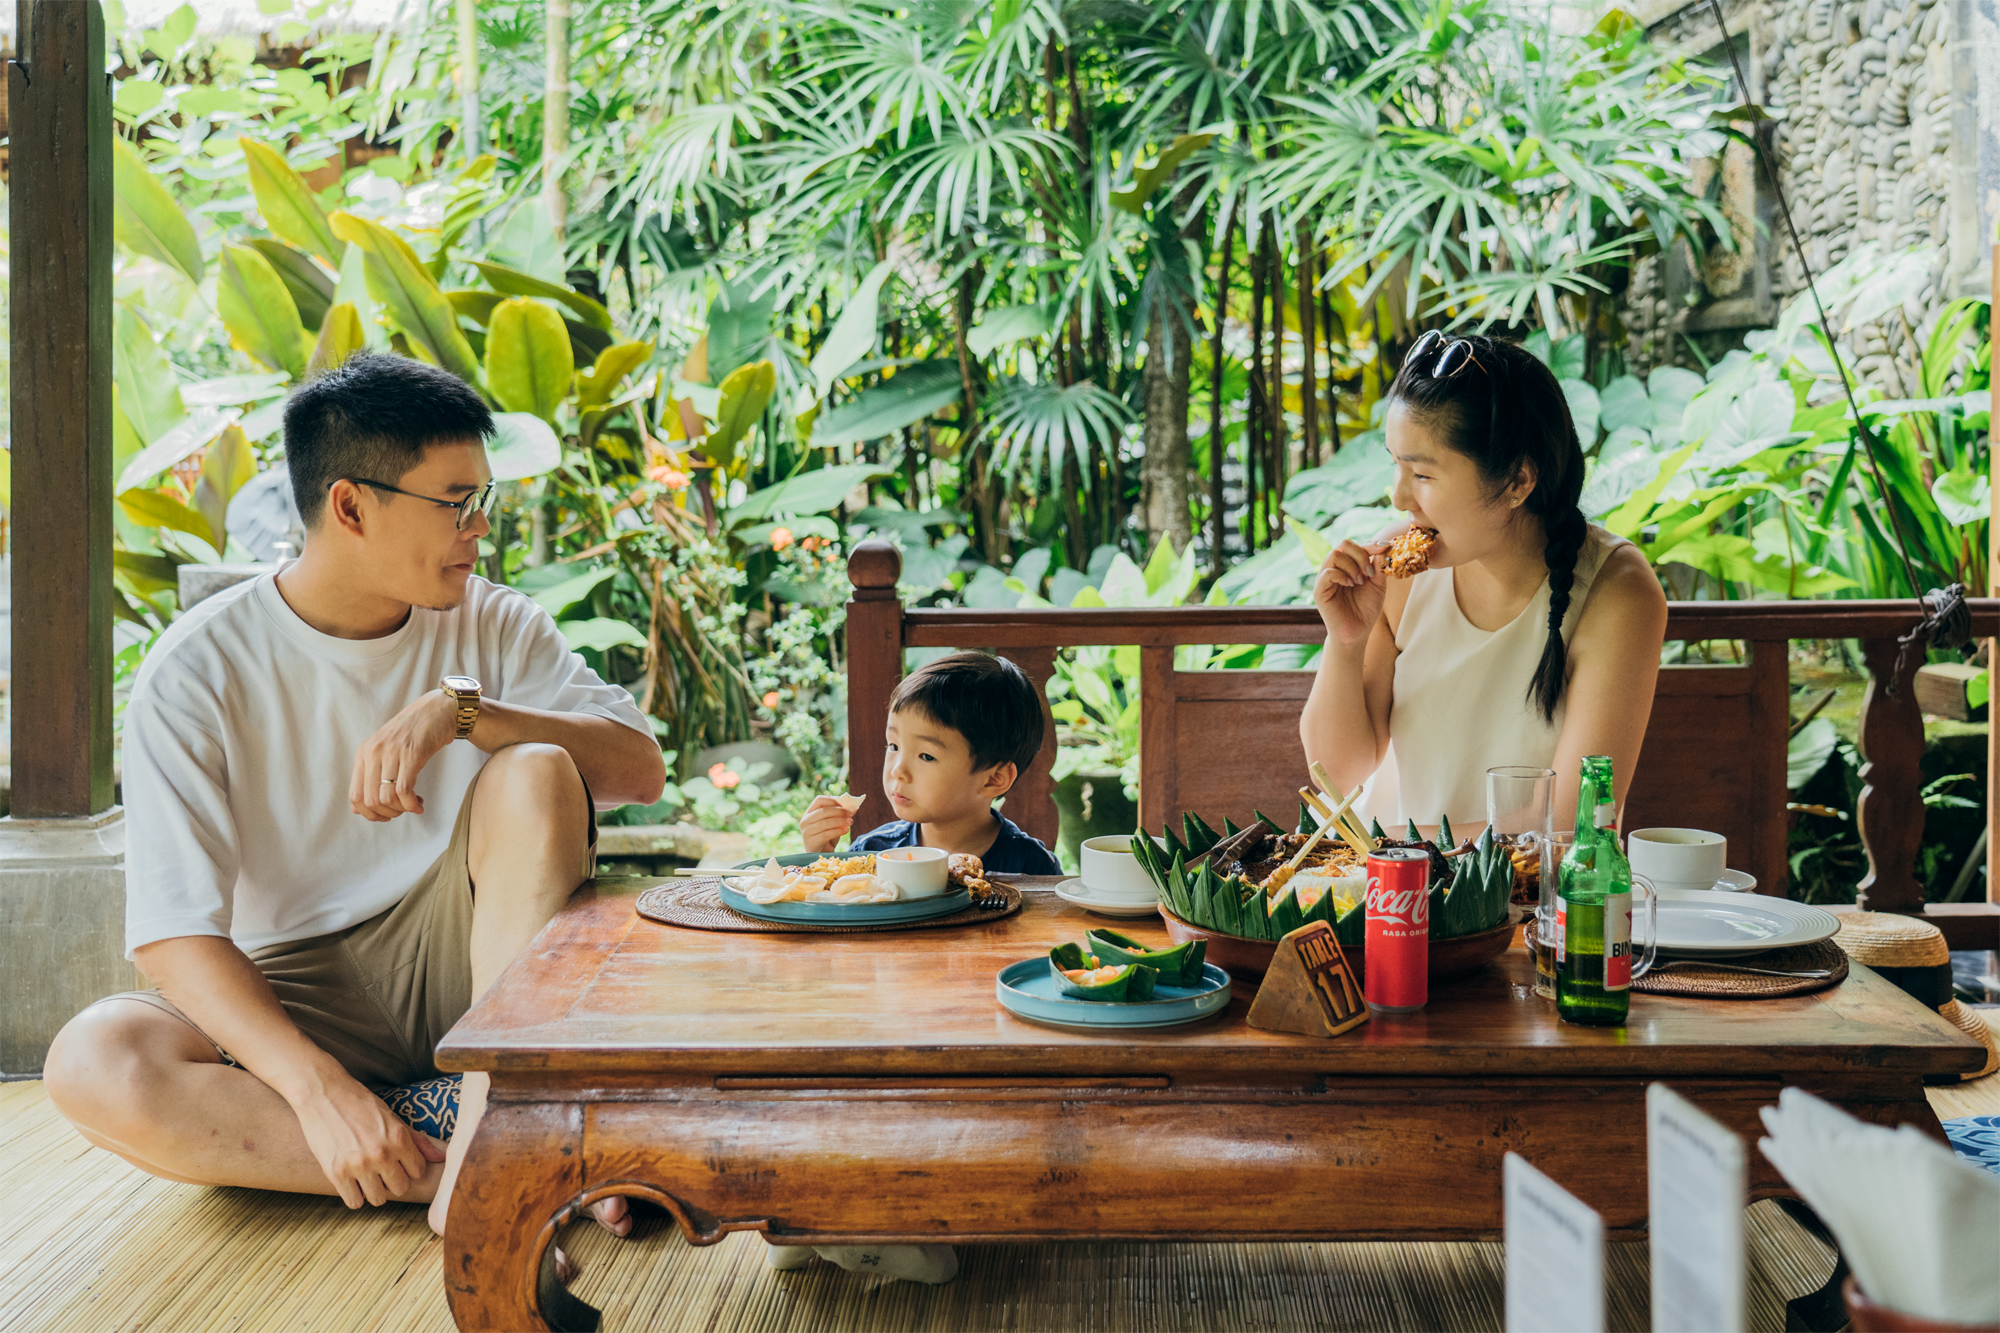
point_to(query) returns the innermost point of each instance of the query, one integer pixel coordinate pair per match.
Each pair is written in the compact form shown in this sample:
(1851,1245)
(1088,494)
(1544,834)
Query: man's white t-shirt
(240,739)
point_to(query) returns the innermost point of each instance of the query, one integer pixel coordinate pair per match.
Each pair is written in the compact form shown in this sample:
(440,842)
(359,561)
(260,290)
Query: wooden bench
(1226,742)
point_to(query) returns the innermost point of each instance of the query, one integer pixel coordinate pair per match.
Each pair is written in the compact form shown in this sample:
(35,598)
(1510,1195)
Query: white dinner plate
(1075,891)
(1704,922)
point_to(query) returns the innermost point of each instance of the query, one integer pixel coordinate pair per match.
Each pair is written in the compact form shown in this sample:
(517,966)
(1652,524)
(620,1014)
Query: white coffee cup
(917,872)
(1678,858)
(1112,873)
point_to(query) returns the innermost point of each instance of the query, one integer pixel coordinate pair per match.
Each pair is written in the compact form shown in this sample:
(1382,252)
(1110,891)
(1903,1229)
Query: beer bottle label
(1607,814)
(1618,941)
(1562,931)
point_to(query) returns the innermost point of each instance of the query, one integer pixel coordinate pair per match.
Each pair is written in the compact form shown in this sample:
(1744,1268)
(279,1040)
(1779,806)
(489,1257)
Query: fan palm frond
(1032,425)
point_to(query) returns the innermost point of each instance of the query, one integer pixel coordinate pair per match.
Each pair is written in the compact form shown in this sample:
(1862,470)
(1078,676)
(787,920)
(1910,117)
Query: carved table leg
(518,1185)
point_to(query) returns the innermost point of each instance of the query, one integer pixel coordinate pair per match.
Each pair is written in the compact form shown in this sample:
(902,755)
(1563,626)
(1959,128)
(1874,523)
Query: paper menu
(1697,1188)
(1555,1255)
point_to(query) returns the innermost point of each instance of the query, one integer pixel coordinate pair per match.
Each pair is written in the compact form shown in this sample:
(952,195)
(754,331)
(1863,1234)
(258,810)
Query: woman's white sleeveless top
(1462,704)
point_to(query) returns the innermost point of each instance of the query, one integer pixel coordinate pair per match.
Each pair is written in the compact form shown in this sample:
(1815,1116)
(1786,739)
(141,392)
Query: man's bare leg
(139,1082)
(525,848)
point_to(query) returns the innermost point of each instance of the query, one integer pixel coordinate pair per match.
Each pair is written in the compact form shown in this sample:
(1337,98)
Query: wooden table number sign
(1309,988)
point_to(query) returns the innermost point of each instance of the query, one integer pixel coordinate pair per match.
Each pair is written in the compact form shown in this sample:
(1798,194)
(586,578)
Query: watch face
(461,684)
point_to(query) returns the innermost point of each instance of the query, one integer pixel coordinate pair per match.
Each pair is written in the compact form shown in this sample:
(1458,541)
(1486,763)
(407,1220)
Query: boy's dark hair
(372,416)
(986,699)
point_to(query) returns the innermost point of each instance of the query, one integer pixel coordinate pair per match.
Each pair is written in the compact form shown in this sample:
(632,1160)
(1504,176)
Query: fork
(1738,967)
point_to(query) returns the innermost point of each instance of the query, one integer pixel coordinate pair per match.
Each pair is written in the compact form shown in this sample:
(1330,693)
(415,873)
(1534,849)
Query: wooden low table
(866,1088)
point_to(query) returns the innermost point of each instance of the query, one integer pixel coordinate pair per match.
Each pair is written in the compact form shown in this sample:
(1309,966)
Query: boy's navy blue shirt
(1012,853)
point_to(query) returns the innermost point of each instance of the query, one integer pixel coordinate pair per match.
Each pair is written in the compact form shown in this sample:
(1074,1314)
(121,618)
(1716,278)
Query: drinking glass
(1520,812)
(1553,852)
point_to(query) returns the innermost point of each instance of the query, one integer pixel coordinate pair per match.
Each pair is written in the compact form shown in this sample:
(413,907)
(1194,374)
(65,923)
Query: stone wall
(1878,136)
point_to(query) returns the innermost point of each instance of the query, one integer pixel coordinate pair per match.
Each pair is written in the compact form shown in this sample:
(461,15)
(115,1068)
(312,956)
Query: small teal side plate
(910,909)
(1027,989)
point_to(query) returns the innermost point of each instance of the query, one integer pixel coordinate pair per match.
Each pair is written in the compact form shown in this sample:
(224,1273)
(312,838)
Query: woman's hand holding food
(1348,592)
(825,822)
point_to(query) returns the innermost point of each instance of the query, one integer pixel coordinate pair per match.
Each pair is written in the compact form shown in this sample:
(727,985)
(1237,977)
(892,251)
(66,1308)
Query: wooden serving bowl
(1248,960)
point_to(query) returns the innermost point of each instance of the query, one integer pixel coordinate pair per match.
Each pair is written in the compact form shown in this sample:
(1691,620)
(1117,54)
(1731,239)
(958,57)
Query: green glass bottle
(1594,907)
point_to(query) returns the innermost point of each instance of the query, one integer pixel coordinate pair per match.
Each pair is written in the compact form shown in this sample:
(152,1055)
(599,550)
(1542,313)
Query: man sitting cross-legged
(331,853)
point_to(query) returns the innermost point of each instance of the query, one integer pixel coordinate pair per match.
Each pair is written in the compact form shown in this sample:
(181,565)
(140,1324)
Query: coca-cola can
(1397,971)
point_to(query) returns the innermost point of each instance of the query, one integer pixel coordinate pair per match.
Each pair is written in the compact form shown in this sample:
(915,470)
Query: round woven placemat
(1712,983)
(698,903)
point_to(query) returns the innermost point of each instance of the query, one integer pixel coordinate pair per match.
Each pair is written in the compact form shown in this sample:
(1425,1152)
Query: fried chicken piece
(964,868)
(1410,554)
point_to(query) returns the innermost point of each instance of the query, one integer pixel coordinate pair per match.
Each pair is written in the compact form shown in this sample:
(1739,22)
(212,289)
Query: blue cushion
(1977,1139)
(430,1107)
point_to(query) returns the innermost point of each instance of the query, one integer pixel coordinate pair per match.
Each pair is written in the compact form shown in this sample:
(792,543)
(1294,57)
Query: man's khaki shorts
(380,995)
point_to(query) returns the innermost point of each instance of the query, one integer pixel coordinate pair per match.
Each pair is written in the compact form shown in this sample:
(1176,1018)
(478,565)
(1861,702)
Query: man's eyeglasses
(1453,355)
(479,502)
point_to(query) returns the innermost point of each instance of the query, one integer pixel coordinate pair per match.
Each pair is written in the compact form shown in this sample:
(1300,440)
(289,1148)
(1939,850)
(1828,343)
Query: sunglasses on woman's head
(1452,355)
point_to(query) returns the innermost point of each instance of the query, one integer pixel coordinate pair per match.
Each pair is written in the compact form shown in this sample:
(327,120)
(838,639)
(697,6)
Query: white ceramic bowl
(1677,858)
(917,872)
(1112,873)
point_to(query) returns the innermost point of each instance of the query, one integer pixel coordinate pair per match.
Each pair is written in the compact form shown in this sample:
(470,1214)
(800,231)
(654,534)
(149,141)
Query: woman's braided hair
(1466,409)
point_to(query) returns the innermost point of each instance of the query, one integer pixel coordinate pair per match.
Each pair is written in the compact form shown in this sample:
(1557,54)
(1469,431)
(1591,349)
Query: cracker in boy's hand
(848,801)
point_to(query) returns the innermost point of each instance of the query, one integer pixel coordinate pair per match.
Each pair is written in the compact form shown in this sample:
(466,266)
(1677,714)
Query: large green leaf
(808,493)
(746,391)
(1145,180)
(1963,495)
(513,282)
(257,310)
(853,334)
(739,327)
(148,574)
(157,509)
(522,446)
(288,204)
(595,386)
(1358,475)
(600,634)
(1009,325)
(904,399)
(560,597)
(474,305)
(229,464)
(340,336)
(403,287)
(1725,556)
(177,442)
(528,363)
(146,218)
(148,390)
(311,288)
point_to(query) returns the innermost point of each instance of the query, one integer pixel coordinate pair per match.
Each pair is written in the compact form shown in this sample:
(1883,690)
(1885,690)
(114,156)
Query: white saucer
(1073,891)
(1731,881)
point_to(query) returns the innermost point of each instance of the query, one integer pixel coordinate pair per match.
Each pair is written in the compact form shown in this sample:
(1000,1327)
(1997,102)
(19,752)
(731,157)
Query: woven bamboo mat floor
(88,1244)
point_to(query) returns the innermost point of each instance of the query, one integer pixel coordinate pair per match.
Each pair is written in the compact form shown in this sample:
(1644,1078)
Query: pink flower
(780,538)
(721,778)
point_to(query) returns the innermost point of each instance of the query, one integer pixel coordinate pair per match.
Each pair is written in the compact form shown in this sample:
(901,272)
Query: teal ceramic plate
(1027,989)
(833,914)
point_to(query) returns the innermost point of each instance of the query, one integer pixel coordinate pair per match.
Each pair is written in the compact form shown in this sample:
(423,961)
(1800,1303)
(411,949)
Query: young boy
(961,730)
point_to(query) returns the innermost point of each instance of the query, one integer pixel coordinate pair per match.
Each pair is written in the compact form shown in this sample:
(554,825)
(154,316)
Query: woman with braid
(1532,636)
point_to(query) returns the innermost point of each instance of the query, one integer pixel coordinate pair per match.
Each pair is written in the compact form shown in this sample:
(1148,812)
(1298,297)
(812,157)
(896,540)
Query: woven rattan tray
(696,903)
(1712,983)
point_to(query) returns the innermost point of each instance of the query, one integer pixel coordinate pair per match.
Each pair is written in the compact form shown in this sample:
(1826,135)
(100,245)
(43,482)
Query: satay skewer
(1350,828)
(1283,874)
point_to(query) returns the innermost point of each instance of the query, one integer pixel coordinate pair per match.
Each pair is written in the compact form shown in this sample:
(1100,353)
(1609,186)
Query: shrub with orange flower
(668,475)
(720,777)
(780,538)
(771,699)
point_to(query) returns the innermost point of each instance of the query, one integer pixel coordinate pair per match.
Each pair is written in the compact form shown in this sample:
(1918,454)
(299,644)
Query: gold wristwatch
(464,692)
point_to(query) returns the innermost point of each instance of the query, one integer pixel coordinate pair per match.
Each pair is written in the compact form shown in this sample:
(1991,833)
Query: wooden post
(1032,802)
(59,100)
(874,665)
(1890,811)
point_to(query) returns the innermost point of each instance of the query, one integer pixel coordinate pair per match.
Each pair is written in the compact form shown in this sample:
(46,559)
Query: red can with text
(1397,967)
